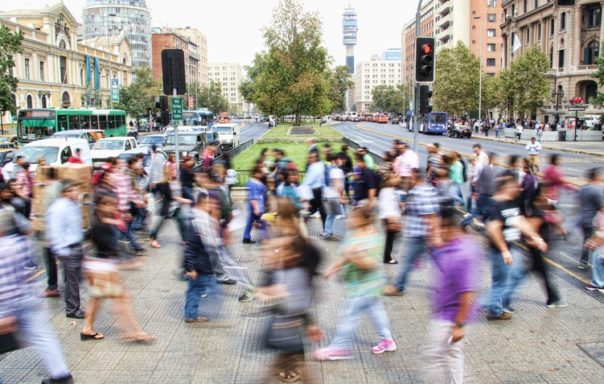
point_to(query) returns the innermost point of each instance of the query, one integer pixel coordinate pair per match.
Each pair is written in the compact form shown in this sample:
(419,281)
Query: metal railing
(232,153)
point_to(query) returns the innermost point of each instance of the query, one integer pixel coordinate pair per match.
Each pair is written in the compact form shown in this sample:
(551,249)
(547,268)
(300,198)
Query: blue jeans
(499,281)
(518,271)
(251,218)
(415,247)
(597,268)
(350,320)
(333,208)
(197,287)
(35,328)
(480,209)
(456,194)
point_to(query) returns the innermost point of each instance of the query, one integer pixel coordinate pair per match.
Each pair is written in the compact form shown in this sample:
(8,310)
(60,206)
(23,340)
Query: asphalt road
(564,254)
(251,130)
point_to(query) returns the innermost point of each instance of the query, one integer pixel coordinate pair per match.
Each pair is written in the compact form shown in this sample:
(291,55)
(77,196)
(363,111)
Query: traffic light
(425,99)
(565,3)
(424,59)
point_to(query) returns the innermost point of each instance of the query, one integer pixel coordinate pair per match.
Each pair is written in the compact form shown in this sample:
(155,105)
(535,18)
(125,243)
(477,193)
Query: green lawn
(280,131)
(295,151)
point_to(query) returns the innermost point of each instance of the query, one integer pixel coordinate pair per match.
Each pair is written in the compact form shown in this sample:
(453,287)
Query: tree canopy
(291,76)
(209,96)
(140,95)
(10,44)
(390,99)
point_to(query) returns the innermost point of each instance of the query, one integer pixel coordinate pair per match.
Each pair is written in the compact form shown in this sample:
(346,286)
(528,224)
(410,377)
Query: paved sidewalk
(593,148)
(539,345)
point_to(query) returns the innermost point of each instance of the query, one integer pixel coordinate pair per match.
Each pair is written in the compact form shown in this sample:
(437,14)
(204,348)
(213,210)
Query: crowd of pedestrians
(438,209)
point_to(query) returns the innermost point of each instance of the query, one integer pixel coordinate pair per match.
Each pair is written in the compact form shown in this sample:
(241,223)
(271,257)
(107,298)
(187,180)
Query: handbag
(103,278)
(393,226)
(285,333)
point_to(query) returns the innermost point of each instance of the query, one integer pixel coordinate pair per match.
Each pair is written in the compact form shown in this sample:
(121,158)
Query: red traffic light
(427,49)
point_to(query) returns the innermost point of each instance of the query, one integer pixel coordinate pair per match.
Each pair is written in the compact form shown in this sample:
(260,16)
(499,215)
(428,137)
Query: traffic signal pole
(416,85)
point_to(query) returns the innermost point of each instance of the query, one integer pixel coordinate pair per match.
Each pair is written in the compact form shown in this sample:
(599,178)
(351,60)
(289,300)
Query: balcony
(587,67)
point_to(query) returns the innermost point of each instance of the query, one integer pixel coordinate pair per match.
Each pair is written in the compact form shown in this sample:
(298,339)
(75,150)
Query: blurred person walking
(63,224)
(591,203)
(363,279)
(333,193)
(315,180)
(256,204)
(20,311)
(457,280)
(104,280)
(389,207)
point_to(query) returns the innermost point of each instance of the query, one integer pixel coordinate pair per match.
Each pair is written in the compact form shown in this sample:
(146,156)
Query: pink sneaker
(385,345)
(332,353)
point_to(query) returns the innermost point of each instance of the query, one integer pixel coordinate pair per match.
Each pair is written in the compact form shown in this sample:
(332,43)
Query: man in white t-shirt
(519,129)
(405,163)
(533,149)
(333,192)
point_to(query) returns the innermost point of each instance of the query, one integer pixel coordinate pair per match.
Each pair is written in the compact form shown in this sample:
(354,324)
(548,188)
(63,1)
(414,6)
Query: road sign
(577,108)
(115,90)
(176,108)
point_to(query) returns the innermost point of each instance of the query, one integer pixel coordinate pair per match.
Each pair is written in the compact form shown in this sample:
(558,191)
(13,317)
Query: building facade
(229,75)
(201,43)
(55,70)
(475,23)
(569,36)
(168,39)
(370,74)
(102,18)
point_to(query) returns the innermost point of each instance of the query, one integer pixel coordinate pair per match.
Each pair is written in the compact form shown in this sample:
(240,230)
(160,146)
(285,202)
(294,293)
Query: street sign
(115,90)
(176,108)
(577,108)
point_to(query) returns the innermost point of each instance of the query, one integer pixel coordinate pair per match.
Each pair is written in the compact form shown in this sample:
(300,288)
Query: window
(63,69)
(563,21)
(552,28)
(492,3)
(525,6)
(591,52)
(491,17)
(30,102)
(491,48)
(536,4)
(561,58)
(490,62)
(527,35)
(539,32)
(41,71)
(65,154)
(592,17)
(491,33)
(26,73)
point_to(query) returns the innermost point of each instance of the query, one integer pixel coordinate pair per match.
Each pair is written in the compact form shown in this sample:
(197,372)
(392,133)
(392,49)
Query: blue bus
(198,118)
(434,123)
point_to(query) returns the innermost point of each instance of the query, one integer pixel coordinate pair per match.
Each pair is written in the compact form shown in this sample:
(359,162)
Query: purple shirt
(457,271)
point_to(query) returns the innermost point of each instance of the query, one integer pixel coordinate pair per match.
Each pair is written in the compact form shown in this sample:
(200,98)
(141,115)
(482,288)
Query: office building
(370,74)
(229,75)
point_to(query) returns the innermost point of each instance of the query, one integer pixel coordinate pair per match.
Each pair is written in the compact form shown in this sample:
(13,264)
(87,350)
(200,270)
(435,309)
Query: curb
(548,147)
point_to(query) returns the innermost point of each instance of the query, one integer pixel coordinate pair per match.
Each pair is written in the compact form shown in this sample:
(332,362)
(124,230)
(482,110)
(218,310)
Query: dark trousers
(390,237)
(540,268)
(316,204)
(51,269)
(72,269)
(588,232)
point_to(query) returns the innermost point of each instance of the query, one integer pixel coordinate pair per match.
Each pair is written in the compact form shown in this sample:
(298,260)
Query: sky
(233,27)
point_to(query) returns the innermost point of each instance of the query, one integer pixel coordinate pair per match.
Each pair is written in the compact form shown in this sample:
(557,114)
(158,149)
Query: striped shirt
(14,284)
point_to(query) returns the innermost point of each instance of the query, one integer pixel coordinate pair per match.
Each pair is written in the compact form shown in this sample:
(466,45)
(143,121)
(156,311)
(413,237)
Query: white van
(54,151)
(228,134)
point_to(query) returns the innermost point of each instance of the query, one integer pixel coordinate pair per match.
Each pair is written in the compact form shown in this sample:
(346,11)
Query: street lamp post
(558,93)
(480,69)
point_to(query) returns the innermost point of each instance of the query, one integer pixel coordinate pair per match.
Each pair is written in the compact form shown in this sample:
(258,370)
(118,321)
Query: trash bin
(561,135)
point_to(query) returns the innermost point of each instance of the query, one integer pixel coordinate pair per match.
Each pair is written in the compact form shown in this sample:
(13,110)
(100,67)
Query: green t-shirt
(359,282)
(456,172)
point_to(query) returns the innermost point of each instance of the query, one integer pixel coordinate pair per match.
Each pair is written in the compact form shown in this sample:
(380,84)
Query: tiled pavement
(539,345)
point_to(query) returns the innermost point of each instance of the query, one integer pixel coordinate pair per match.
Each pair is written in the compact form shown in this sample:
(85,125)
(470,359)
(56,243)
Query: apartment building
(229,75)
(370,74)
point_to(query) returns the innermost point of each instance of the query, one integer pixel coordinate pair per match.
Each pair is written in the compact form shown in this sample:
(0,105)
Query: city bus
(36,124)
(434,123)
(198,118)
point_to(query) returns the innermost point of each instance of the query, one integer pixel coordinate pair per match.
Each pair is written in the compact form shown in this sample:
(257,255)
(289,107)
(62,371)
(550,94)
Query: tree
(291,76)
(389,99)
(139,96)
(209,96)
(10,44)
(339,83)
(457,80)
(531,88)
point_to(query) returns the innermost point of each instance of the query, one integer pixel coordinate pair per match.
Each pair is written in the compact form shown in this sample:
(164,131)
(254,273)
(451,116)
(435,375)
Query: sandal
(290,376)
(92,336)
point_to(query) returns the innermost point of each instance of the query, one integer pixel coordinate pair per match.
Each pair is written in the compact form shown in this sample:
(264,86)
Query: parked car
(460,131)
(111,147)
(90,135)
(150,140)
(54,151)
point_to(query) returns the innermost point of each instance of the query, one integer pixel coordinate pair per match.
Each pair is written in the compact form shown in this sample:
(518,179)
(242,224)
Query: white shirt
(533,148)
(388,203)
(482,160)
(519,128)
(405,163)
(336,177)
